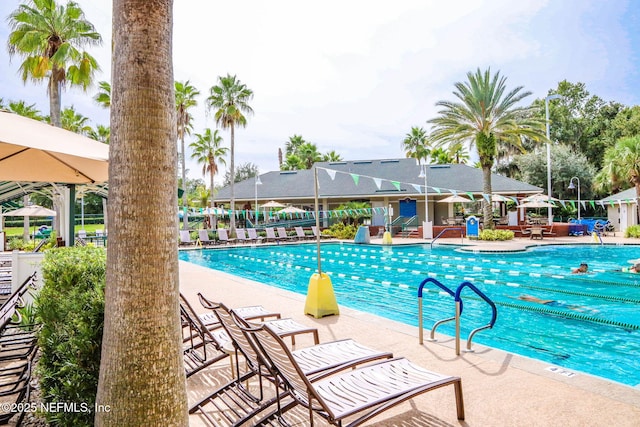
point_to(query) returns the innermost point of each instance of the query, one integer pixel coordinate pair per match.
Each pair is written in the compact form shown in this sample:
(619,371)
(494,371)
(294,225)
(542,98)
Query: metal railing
(444,231)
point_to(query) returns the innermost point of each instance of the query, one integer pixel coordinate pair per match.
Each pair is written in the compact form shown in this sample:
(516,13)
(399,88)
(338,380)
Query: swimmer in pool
(552,303)
(582,269)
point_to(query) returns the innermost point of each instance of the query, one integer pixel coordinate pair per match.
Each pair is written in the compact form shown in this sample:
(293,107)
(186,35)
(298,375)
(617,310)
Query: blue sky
(355,76)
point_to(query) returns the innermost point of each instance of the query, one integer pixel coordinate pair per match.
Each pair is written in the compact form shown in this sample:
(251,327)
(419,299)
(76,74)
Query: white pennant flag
(332,174)
(417,187)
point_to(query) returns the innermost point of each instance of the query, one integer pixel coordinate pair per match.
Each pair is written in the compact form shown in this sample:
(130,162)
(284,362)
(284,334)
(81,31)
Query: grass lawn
(17,231)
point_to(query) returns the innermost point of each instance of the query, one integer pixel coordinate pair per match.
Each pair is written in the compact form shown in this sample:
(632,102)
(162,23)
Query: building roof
(623,195)
(375,179)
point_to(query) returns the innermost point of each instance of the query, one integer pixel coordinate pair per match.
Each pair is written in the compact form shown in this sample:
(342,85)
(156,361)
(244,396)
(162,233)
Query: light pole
(258,182)
(573,187)
(546,108)
(427,231)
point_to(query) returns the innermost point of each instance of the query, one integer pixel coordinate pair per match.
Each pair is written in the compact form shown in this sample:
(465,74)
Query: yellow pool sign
(321,301)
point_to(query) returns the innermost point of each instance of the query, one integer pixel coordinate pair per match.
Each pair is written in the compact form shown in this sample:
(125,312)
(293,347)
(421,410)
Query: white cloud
(354,76)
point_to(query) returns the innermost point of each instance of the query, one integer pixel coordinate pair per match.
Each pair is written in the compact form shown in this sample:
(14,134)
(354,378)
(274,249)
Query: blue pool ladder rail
(439,322)
(458,299)
(458,312)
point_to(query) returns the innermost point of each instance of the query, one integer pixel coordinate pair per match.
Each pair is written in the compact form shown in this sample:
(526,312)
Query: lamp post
(258,182)
(427,232)
(573,187)
(546,108)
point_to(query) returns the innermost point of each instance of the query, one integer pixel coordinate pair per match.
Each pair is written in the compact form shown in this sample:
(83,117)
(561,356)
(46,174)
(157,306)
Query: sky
(355,76)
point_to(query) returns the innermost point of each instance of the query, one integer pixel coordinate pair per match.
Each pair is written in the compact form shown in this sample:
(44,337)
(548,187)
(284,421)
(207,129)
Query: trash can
(473,227)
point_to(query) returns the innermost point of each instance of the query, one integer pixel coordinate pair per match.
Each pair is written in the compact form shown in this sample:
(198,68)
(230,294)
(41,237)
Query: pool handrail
(445,230)
(458,300)
(439,322)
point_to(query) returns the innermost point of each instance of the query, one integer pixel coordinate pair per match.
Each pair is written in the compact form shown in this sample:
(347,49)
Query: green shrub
(70,307)
(342,231)
(496,235)
(633,231)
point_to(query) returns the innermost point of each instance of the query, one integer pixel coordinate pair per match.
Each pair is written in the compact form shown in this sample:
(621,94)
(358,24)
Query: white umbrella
(291,210)
(32,210)
(536,204)
(455,199)
(499,198)
(37,152)
(273,204)
(539,198)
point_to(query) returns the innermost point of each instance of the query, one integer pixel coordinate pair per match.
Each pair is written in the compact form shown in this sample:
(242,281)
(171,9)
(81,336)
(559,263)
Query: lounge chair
(282,234)
(185,238)
(314,229)
(549,232)
(271,234)
(203,235)
(251,312)
(284,327)
(524,231)
(202,345)
(300,234)
(241,236)
(322,357)
(223,236)
(253,235)
(364,392)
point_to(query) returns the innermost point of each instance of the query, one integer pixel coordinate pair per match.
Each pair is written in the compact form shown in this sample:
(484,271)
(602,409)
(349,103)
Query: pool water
(592,326)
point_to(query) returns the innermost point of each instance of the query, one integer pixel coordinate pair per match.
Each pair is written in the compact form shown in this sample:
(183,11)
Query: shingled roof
(389,173)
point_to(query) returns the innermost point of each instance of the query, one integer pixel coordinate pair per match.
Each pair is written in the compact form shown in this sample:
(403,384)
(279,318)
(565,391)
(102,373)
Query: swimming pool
(593,325)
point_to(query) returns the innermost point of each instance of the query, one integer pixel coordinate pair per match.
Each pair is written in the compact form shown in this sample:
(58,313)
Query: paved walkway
(500,389)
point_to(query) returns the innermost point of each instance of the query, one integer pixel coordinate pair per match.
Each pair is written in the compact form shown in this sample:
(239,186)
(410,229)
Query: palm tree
(75,122)
(101,133)
(230,100)
(20,107)
(309,154)
(486,117)
(292,145)
(185,99)
(208,150)
(142,287)
(103,97)
(49,36)
(621,166)
(331,156)
(293,163)
(416,144)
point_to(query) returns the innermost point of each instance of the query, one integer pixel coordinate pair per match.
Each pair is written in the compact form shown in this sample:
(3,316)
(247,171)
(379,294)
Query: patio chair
(364,392)
(223,236)
(550,231)
(253,235)
(524,231)
(282,234)
(203,236)
(300,234)
(271,235)
(251,312)
(185,238)
(202,346)
(242,236)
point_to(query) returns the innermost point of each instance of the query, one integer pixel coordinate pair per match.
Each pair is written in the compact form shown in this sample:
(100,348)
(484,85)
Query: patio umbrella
(31,210)
(539,198)
(292,210)
(35,151)
(536,204)
(272,204)
(455,199)
(499,198)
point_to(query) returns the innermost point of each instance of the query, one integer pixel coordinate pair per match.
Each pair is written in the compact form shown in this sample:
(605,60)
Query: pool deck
(500,388)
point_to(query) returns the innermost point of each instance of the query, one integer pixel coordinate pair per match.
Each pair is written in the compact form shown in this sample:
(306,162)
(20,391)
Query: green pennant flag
(355,177)
(573,203)
(593,204)
(471,195)
(613,205)
(396,184)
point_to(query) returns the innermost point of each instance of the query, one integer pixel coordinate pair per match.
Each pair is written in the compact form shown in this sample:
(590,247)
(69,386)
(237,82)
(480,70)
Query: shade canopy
(539,198)
(455,199)
(32,210)
(35,151)
(499,198)
(273,204)
(536,204)
(291,210)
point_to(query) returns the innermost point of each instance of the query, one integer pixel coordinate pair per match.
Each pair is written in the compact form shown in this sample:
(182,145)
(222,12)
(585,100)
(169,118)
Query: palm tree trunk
(232,173)
(213,197)
(185,217)
(55,104)
(142,376)
(486,189)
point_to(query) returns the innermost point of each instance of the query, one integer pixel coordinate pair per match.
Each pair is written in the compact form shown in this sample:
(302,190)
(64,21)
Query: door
(408,208)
